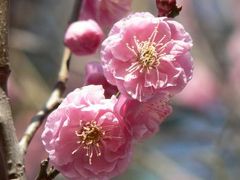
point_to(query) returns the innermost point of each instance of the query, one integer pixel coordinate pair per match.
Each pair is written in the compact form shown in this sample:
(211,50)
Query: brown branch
(12,165)
(11,161)
(53,173)
(56,95)
(44,173)
(43,170)
(51,104)
(76,11)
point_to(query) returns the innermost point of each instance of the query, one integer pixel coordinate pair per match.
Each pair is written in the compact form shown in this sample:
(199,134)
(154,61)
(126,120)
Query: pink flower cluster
(145,61)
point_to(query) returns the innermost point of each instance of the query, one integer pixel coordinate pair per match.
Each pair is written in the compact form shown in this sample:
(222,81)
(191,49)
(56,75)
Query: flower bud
(168,8)
(105,12)
(94,75)
(83,37)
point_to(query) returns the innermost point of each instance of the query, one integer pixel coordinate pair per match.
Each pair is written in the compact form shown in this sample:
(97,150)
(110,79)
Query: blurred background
(200,140)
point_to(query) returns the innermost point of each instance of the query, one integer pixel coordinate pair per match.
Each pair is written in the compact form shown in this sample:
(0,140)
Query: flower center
(90,136)
(148,53)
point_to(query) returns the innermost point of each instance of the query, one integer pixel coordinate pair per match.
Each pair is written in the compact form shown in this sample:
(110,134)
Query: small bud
(83,37)
(94,76)
(168,8)
(105,12)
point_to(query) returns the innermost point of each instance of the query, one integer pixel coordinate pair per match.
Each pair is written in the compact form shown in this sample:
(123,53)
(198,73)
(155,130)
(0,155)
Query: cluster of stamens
(90,135)
(148,53)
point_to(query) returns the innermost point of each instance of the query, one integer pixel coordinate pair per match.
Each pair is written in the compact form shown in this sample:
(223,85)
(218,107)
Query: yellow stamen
(90,136)
(148,53)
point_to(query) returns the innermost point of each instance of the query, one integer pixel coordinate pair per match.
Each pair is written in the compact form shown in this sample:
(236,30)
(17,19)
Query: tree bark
(11,161)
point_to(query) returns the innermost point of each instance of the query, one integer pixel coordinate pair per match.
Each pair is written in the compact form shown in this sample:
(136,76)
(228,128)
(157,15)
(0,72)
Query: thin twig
(44,173)
(76,11)
(11,160)
(56,95)
(53,173)
(52,103)
(43,170)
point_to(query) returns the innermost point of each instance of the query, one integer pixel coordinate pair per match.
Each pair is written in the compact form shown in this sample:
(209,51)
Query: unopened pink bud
(83,37)
(168,8)
(94,75)
(105,12)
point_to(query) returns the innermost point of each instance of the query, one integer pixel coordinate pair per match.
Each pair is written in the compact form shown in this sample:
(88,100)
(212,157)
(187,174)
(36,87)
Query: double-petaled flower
(146,55)
(85,138)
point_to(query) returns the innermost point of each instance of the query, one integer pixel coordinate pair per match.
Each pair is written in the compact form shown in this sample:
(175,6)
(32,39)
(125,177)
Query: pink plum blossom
(83,37)
(144,118)
(105,12)
(146,55)
(85,138)
(94,75)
